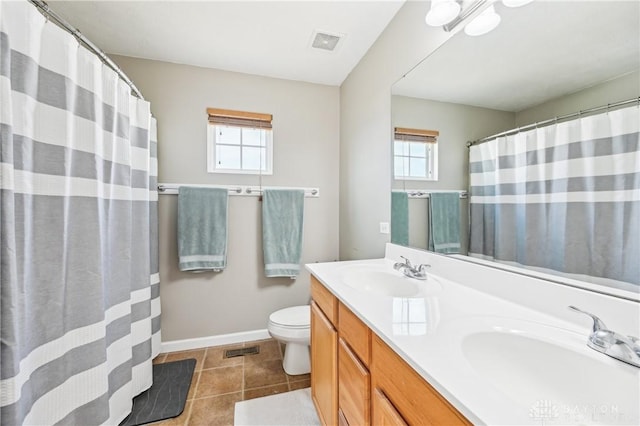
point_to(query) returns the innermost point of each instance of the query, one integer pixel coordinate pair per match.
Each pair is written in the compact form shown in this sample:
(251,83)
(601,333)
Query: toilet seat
(295,317)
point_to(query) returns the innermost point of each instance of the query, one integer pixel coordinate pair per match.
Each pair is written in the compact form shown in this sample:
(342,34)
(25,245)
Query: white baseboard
(222,339)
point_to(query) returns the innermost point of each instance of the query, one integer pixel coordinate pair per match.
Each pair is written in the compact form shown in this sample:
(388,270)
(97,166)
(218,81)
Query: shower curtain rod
(555,120)
(44,8)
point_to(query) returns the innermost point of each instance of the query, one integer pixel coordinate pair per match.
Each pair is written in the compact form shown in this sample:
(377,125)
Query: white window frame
(212,143)
(431,162)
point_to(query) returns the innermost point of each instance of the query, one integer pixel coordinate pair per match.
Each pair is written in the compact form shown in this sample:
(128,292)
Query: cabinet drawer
(325,300)
(415,400)
(385,414)
(353,387)
(342,421)
(355,333)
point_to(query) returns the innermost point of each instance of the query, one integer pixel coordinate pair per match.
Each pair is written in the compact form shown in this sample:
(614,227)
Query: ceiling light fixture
(483,12)
(483,23)
(442,12)
(515,3)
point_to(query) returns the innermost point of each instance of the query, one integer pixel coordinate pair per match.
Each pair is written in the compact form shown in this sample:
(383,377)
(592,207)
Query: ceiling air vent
(325,41)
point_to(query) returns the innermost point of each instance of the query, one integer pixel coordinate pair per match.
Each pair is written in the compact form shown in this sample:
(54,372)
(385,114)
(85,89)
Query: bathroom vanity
(462,347)
(364,381)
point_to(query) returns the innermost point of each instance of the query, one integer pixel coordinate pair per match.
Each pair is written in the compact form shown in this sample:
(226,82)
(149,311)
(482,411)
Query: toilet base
(296,359)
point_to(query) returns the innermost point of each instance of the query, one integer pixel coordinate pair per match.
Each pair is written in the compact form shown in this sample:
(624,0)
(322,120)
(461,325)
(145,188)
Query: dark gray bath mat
(166,397)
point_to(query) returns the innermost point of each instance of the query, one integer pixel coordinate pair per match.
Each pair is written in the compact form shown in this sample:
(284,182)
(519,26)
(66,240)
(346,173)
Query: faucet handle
(406,261)
(423,266)
(636,343)
(597,322)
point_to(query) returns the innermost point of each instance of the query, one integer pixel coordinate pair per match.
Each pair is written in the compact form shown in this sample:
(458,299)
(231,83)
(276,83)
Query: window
(415,154)
(239,142)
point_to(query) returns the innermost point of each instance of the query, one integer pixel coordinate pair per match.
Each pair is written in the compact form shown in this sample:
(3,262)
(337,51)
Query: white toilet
(292,326)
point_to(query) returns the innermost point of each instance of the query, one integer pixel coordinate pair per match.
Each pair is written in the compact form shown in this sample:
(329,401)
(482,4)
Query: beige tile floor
(218,383)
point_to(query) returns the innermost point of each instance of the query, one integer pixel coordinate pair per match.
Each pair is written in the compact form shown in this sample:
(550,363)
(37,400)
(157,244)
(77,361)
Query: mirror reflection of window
(415,154)
(415,316)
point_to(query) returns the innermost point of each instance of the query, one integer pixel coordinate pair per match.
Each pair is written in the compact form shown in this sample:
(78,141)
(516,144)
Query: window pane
(253,137)
(417,167)
(400,166)
(417,149)
(228,135)
(400,148)
(228,157)
(251,158)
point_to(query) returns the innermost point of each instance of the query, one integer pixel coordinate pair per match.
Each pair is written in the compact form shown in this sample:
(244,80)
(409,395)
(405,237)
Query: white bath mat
(293,408)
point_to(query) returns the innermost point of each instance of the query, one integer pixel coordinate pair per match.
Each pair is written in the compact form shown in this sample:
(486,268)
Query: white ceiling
(539,52)
(268,38)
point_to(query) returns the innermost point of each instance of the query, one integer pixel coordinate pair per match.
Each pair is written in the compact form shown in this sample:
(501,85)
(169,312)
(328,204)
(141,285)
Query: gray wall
(306,148)
(365,128)
(619,89)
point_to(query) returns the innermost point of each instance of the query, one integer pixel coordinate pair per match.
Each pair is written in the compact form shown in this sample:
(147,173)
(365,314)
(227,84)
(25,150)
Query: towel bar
(251,191)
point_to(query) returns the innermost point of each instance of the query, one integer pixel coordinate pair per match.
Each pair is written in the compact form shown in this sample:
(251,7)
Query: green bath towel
(282,220)
(202,228)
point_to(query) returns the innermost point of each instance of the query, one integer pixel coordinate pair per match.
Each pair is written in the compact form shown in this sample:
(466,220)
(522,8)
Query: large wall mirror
(544,60)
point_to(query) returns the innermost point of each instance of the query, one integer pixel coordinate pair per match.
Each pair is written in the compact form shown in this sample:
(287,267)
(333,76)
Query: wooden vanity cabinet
(357,380)
(324,353)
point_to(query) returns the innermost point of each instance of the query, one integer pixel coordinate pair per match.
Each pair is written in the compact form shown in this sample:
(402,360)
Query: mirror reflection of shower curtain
(80,308)
(564,198)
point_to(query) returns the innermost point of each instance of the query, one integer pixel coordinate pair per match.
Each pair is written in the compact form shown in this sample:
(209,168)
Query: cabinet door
(353,387)
(384,413)
(324,367)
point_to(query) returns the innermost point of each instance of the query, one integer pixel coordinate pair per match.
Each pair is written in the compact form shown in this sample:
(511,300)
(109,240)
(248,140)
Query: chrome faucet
(618,346)
(410,271)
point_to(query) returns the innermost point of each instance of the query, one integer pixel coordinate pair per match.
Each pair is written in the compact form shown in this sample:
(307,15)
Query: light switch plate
(384,227)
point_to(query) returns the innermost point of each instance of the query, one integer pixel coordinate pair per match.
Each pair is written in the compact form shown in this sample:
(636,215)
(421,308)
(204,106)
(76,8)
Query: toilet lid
(296,316)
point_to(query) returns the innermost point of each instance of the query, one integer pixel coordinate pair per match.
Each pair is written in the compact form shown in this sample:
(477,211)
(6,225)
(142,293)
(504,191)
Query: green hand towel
(202,228)
(444,222)
(282,220)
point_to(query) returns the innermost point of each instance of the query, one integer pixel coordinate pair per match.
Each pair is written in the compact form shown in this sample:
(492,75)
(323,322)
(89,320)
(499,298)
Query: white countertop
(496,361)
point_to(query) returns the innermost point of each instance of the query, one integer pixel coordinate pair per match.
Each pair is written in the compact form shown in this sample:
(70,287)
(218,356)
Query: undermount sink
(565,384)
(385,282)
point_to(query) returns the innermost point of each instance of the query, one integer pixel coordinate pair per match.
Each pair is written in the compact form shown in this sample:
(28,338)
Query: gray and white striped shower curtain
(80,307)
(563,199)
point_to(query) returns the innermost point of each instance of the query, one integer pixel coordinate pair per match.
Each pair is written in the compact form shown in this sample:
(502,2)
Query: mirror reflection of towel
(400,218)
(444,222)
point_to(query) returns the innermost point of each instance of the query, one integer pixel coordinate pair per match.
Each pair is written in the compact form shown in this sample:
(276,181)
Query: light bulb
(483,23)
(442,12)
